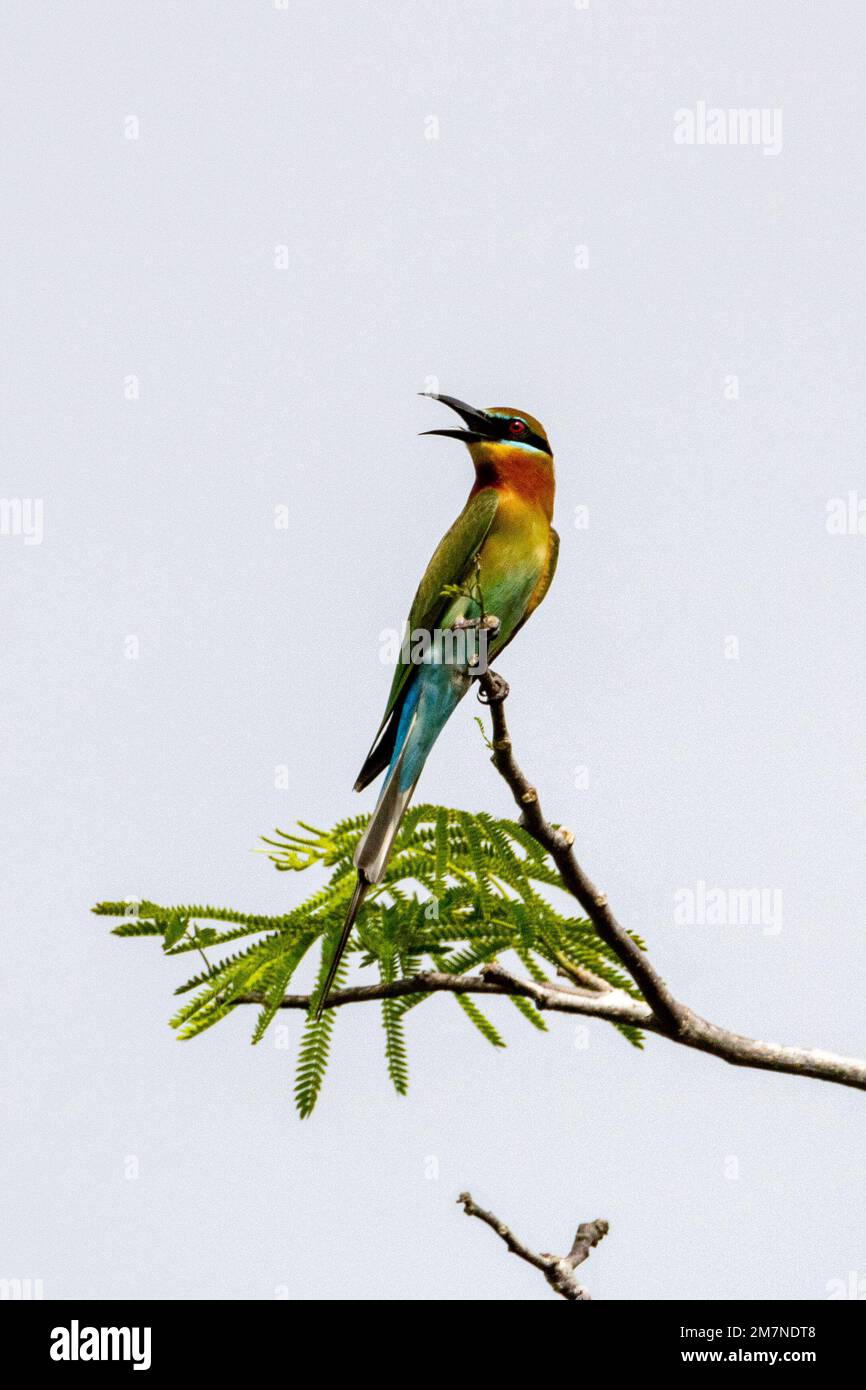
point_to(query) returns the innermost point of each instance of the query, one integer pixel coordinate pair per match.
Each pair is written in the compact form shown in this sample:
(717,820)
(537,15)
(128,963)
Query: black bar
(198,1337)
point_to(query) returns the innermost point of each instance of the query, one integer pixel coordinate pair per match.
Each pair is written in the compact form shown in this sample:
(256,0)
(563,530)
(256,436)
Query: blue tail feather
(434,695)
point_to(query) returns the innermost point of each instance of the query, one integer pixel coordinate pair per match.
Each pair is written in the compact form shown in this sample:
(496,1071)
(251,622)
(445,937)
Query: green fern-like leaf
(481,1022)
(460,890)
(316,1042)
(392,1022)
(278,982)
(529,1011)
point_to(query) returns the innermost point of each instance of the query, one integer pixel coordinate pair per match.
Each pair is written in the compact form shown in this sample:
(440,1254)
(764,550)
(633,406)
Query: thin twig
(558,1270)
(578,974)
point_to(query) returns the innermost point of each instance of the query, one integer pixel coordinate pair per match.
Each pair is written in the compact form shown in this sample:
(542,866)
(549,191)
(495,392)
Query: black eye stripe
(528,437)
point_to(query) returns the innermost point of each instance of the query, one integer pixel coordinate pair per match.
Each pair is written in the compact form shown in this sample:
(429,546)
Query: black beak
(478,425)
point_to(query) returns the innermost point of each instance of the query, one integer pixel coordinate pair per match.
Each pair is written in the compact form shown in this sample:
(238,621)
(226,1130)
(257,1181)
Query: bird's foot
(489,623)
(486,626)
(494,690)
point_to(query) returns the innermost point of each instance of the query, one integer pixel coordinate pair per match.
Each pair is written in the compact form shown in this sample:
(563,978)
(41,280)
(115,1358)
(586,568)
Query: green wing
(449,564)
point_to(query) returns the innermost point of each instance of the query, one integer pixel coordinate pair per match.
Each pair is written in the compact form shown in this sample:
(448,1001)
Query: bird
(499,556)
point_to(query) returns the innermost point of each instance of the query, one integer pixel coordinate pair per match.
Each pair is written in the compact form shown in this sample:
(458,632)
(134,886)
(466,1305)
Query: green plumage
(449,564)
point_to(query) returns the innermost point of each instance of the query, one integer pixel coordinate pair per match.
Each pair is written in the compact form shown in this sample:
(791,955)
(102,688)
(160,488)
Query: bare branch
(558,1270)
(587,1238)
(658,1012)
(558,844)
(612,1006)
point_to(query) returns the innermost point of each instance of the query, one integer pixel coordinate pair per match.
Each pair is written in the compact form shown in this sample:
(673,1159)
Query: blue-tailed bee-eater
(501,551)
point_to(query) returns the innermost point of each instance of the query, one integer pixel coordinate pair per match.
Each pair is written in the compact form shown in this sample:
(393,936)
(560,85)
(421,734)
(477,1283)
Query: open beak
(478,425)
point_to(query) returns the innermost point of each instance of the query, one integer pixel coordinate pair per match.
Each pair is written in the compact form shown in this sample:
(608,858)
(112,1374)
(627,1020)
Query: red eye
(516,428)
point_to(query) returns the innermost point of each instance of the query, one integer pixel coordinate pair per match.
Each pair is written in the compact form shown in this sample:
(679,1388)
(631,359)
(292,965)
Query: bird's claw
(489,623)
(495,691)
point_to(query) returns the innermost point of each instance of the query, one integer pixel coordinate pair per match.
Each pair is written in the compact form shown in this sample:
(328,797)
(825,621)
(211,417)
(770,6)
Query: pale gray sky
(410,258)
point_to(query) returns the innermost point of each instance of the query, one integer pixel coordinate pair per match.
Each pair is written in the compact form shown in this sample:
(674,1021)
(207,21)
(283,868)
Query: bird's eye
(516,428)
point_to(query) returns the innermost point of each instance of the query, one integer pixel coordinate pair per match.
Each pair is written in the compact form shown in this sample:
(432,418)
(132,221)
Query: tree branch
(558,844)
(658,1012)
(611,1006)
(558,1270)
